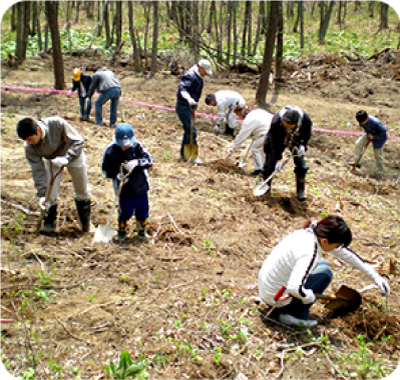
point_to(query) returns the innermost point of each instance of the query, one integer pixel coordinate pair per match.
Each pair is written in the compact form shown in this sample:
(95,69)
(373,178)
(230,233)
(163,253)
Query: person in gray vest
(51,144)
(107,84)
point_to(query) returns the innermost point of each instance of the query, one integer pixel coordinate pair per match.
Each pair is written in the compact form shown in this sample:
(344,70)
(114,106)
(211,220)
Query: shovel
(47,196)
(353,167)
(262,187)
(190,151)
(344,301)
(243,160)
(104,233)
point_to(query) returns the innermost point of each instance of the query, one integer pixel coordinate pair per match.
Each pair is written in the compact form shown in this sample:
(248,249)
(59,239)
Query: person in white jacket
(296,262)
(226,101)
(256,124)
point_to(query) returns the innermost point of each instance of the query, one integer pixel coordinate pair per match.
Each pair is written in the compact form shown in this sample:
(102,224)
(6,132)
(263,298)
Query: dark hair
(291,117)
(26,128)
(333,228)
(210,98)
(361,116)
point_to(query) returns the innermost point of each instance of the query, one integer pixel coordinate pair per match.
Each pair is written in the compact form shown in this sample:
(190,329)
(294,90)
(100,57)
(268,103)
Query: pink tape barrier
(32,89)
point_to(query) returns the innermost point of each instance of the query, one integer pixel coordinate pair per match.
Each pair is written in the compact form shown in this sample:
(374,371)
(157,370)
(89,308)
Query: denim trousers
(185,116)
(82,101)
(138,205)
(112,95)
(318,281)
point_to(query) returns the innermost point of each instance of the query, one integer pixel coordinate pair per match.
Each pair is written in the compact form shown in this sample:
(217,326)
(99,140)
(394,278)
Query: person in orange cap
(81,82)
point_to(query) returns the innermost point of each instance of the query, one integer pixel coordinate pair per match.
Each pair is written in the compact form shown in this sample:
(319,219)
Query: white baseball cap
(206,65)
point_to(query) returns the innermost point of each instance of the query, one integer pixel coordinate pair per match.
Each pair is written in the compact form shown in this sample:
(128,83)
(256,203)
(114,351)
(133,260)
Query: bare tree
(58,63)
(155,38)
(23,10)
(326,13)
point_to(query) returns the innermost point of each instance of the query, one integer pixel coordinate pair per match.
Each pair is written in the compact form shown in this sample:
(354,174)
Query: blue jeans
(113,95)
(185,116)
(138,205)
(318,281)
(82,101)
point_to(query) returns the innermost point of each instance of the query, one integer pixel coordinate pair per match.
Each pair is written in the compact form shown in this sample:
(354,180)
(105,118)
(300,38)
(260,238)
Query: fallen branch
(20,208)
(70,333)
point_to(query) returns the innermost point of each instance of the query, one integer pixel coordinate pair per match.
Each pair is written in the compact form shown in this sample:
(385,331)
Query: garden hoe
(190,151)
(104,233)
(47,196)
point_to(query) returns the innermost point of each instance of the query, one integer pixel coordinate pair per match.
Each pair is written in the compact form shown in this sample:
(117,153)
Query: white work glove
(216,129)
(60,161)
(301,150)
(230,152)
(309,298)
(383,285)
(42,203)
(192,103)
(279,166)
(130,165)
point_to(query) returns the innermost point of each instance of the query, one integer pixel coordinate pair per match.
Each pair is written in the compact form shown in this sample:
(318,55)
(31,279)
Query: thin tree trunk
(52,17)
(135,43)
(155,38)
(325,18)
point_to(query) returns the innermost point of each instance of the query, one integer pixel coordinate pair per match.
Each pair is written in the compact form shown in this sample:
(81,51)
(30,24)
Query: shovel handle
(278,296)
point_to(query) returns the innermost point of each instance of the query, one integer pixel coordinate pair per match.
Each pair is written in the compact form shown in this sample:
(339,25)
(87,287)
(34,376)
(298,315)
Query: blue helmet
(124,134)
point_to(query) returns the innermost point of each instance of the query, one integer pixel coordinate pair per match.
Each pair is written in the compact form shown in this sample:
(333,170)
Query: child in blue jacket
(81,82)
(128,156)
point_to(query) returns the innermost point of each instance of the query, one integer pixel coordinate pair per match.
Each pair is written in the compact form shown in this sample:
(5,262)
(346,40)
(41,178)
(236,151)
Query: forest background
(184,304)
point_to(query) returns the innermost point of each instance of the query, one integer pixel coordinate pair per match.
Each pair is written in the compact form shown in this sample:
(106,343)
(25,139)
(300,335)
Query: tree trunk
(22,31)
(384,21)
(260,23)
(325,18)
(301,17)
(155,38)
(262,89)
(134,41)
(52,18)
(118,23)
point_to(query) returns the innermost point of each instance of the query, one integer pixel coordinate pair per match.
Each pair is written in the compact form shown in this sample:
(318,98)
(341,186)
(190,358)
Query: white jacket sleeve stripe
(308,271)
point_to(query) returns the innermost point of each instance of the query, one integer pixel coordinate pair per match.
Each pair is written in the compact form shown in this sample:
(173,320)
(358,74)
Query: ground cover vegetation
(183,304)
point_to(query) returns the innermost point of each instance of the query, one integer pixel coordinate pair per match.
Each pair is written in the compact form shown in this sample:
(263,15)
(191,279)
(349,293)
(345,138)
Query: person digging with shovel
(129,153)
(187,98)
(256,124)
(290,128)
(375,131)
(51,144)
(297,263)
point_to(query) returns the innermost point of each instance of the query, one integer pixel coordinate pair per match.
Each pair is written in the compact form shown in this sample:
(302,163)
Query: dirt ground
(184,302)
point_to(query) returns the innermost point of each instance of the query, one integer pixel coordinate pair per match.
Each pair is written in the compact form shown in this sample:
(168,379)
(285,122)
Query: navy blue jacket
(275,139)
(193,83)
(138,180)
(375,128)
(86,81)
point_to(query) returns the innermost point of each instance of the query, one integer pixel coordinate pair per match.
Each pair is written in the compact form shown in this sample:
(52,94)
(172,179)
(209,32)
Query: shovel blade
(104,234)
(260,189)
(242,163)
(190,151)
(347,300)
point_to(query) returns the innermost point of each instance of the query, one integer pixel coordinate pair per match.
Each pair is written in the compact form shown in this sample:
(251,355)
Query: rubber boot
(300,184)
(142,228)
(121,231)
(228,131)
(49,220)
(83,208)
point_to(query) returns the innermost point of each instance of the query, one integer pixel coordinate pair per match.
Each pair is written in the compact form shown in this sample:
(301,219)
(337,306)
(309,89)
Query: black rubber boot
(49,220)
(121,231)
(142,229)
(300,184)
(83,208)
(228,131)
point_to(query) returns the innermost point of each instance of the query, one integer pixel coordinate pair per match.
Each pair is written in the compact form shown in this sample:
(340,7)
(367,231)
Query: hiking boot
(49,220)
(197,161)
(288,319)
(142,229)
(121,236)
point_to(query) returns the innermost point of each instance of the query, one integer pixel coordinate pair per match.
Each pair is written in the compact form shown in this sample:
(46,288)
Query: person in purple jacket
(187,98)
(129,156)
(375,131)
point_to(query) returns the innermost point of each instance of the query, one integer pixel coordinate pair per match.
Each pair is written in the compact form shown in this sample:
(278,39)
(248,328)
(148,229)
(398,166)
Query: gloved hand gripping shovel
(243,160)
(104,233)
(262,187)
(47,196)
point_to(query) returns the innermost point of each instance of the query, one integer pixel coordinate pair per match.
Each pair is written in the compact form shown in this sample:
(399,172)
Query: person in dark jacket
(375,131)
(109,87)
(127,156)
(188,95)
(81,82)
(290,128)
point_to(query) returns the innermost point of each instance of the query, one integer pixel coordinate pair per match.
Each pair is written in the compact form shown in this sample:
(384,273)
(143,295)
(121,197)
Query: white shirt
(256,124)
(292,261)
(227,100)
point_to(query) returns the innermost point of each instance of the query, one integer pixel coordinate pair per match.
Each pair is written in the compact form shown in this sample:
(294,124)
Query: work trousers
(318,281)
(85,106)
(257,150)
(138,205)
(77,170)
(185,116)
(112,95)
(300,169)
(359,150)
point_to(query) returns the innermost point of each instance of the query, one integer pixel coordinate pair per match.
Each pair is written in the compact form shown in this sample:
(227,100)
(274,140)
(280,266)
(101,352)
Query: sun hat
(124,134)
(76,74)
(206,65)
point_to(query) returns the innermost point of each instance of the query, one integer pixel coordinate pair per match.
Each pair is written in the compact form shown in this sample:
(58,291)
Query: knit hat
(124,134)
(76,74)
